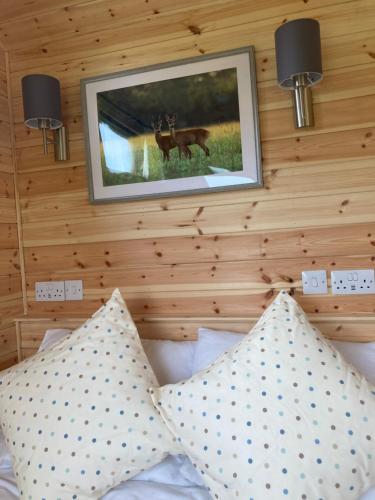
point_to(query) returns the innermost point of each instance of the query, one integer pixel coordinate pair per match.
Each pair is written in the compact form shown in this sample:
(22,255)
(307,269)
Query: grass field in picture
(224,144)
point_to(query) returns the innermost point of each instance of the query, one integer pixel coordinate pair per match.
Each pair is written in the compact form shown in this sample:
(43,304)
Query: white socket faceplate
(353,282)
(314,282)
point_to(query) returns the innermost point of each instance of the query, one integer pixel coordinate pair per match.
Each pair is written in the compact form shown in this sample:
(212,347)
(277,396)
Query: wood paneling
(218,257)
(10,279)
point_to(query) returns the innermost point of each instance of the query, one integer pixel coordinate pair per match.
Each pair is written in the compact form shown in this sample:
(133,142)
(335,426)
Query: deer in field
(165,142)
(185,138)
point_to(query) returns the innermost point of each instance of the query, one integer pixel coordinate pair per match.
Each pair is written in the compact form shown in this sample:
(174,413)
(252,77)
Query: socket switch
(359,281)
(74,290)
(314,282)
(49,291)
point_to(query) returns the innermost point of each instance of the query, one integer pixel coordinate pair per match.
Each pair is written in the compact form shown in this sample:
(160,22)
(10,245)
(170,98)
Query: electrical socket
(49,291)
(359,281)
(314,282)
(74,290)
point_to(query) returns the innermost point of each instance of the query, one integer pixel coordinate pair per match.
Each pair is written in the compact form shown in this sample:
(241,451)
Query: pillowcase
(172,361)
(78,418)
(213,343)
(280,415)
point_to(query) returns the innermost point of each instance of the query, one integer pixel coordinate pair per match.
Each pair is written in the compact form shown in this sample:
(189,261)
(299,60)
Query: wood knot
(266,279)
(195,29)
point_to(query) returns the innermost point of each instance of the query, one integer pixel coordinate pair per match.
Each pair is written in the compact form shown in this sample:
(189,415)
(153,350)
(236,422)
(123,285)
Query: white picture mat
(248,176)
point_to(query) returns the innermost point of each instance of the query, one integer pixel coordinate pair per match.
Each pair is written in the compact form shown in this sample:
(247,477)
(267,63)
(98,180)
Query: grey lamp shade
(41,100)
(298,51)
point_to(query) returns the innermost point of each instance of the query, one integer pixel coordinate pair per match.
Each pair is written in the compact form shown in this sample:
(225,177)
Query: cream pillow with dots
(280,415)
(78,418)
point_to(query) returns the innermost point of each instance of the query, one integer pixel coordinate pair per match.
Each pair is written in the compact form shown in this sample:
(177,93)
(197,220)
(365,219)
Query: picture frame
(180,128)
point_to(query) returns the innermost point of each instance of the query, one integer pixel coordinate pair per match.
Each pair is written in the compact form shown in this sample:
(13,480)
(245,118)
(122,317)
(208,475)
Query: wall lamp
(299,64)
(42,110)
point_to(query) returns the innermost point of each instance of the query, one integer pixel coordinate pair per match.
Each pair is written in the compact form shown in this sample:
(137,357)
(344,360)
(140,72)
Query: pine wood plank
(4,113)
(9,261)
(10,309)
(209,303)
(70,199)
(5,159)
(7,210)
(76,22)
(23,9)
(353,239)
(9,237)
(3,84)
(4,134)
(247,217)
(8,341)
(6,185)
(238,275)
(10,287)
(8,360)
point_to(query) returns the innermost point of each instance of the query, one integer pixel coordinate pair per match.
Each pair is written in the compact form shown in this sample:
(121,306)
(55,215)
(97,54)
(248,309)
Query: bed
(175,477)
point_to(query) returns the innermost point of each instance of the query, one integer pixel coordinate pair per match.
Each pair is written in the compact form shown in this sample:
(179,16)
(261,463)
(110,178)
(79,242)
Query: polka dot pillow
(281,415)
(78,418)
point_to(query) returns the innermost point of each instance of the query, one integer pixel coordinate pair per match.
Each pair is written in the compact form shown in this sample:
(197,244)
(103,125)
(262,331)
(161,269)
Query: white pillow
(78,419)
(361,355)
(5,460)
(172,361)
(281,415)
(213,343)
(52,337)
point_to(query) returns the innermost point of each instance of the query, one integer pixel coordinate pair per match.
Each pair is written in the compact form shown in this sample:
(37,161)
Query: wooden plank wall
(10,278)
(216,255)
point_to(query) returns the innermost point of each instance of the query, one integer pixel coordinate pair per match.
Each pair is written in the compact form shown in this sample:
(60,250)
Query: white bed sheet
(131,490)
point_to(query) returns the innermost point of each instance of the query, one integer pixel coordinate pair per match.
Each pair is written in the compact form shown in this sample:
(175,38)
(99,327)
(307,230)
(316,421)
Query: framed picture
(179,128)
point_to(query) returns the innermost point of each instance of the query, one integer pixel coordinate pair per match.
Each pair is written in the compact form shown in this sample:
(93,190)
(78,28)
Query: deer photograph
(182,127)
(171,129)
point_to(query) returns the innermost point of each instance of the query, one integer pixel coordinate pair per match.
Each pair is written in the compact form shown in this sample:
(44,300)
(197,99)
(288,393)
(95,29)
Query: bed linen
(131,490)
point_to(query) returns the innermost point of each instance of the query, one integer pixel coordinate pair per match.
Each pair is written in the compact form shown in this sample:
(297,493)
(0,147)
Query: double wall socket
(51,291)
(358,281)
